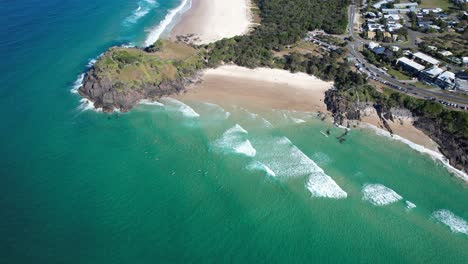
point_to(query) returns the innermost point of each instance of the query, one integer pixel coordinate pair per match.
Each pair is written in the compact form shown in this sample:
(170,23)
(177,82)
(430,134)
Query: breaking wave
(410,205)
(149,102)
(287,160)
(156,32)
(256,165)
(455,223)
(86,105)
(78,83)
(177,106)
(297,120)
(234,140)
(216,111)
(378,194)
(144,7)
(322,185)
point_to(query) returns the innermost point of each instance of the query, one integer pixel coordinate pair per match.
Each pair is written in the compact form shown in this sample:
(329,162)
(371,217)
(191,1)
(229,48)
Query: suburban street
(379,75)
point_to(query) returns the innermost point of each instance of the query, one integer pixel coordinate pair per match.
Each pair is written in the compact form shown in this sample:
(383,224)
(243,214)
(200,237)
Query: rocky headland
(124,76)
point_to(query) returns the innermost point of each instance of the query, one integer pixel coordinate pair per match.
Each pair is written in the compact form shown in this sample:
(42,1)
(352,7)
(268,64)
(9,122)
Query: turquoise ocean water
(192,181)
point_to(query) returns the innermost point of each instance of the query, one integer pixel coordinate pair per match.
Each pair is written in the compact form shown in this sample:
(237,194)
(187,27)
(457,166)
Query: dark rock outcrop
(452,146)
(341,108)
(107,96)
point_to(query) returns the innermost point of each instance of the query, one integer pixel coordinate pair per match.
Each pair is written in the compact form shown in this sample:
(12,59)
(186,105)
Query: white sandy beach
(212,20)
(260,88)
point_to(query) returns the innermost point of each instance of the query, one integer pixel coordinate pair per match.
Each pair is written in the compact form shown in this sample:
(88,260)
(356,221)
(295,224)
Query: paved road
(392,83)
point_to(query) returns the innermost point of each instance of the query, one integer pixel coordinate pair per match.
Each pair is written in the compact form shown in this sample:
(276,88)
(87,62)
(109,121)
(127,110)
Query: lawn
(398,75)
(444,4)
(425,86)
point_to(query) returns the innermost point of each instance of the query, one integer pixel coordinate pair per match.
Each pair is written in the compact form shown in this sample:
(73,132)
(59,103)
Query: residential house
(374,27)
(378,50)
(392,17)
(370,15)
(373,45)
(379,4)
(445,53)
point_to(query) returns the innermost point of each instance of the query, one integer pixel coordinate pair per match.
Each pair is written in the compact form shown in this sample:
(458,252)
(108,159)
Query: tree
(403,32)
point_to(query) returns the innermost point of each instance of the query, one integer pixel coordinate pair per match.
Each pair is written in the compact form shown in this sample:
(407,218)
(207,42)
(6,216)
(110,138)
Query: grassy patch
(444,4)
(398,75)
(423,85)
(131,68)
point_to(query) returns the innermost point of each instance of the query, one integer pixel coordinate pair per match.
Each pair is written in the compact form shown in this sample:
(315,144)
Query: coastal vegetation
(133,68)
(283,23)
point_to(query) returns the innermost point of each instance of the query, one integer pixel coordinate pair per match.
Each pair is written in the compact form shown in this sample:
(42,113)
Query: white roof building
(446,80)
(431,73)
(393,27)
(373,45)
(465,60)
(393,17)
(425,58)
(379,4)
(445,53)
(414,66)
(374,27)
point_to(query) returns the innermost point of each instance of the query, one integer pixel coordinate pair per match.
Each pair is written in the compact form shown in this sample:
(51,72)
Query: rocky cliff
(109,96)
(454,146)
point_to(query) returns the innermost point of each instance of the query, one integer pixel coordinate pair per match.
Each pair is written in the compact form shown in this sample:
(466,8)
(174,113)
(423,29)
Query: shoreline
(260,88)
(158,30)
(208,21)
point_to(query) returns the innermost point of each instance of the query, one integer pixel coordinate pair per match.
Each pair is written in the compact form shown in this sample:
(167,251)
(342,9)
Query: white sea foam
(322,185)
(298,120)
(149,102)
(410,205)
(234,140)
(455,223)
(287,161)
(256,165)
(93,61)
(176,105)
(78,83)
(144,7)
(380,195)
(156,32)
(434,154)
(87,105)
(245,148)
(79,80)
(217,111)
